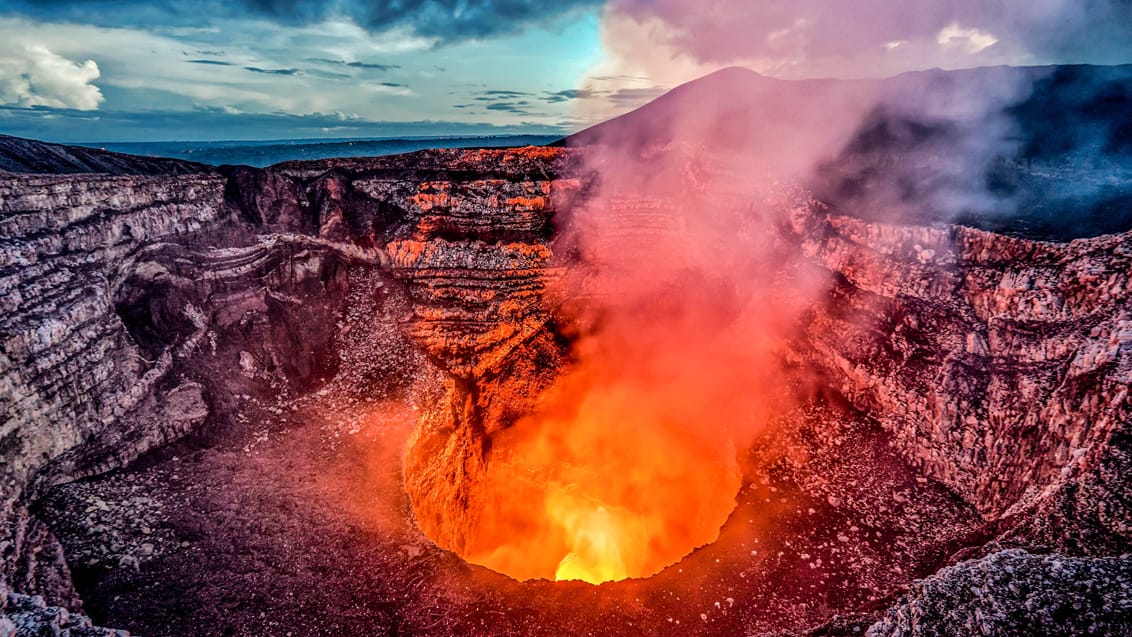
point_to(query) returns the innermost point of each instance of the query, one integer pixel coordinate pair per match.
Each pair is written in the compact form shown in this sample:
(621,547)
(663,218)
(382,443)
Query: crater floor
(298,524)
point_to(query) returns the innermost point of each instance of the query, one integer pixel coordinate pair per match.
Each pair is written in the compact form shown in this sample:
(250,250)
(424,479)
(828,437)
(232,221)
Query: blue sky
(199,70)
(126,71)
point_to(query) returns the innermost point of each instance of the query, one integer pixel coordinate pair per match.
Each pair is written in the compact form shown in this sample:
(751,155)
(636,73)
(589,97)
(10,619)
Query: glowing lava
(604,446)
(600,489)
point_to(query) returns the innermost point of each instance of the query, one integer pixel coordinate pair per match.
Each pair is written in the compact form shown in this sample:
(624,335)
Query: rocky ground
(300,525)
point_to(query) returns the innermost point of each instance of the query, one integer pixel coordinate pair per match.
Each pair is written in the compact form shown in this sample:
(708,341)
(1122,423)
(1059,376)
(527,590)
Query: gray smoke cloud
(1039,31)
(443,20)
(968,146)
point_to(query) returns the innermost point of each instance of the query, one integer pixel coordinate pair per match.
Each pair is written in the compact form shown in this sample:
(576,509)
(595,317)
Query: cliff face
(72,371)
(136,308)
(117,293)
(1002,365)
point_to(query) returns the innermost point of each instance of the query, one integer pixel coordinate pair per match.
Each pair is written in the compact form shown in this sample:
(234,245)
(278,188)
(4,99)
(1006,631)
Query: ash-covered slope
(19,155)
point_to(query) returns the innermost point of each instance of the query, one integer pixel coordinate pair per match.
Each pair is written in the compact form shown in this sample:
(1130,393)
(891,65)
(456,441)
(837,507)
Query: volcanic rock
(164,301)
(18,155)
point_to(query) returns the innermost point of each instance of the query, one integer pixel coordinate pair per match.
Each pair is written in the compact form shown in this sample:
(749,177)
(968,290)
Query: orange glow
(602,494)
(627,463)
(604,446)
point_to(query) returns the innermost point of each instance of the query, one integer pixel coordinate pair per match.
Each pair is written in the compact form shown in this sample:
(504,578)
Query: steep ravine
(263,340)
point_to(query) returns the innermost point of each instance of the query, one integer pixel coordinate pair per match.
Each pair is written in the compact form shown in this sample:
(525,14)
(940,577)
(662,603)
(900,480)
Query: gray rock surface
(31,616)
(1017,593)
(978,351)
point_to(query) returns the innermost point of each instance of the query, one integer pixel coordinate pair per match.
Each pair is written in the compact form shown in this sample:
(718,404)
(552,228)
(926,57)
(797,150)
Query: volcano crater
(330,365)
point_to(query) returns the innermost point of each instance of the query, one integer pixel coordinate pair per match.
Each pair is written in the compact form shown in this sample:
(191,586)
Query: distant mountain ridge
(1058,95)
(19,155)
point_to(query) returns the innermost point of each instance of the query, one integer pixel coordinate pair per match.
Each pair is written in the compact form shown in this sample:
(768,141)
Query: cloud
(636,96)
(210,124)
(256,69)
(506,93)
(570,94)
(442,21)
(356,65)
(822,37)
(340,66)
(508,107)
(33,76)
(329,75)
(973,40)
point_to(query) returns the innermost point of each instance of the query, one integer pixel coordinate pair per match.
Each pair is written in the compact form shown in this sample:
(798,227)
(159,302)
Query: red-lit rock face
(941,330)
(942,333)
(579,439)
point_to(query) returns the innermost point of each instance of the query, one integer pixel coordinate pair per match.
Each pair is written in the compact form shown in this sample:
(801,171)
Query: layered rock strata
(1003,366)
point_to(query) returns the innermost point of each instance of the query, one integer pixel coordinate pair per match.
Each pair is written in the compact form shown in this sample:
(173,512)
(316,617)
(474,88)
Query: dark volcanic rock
(30,615)
(18,155)
(979,351)
(1016,593)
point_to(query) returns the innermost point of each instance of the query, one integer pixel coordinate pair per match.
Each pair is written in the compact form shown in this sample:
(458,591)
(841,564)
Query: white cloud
(972,40)
(32,75)
(156,70)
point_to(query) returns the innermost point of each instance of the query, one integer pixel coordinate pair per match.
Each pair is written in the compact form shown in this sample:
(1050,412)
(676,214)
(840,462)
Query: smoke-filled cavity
(673,312)
(685,281)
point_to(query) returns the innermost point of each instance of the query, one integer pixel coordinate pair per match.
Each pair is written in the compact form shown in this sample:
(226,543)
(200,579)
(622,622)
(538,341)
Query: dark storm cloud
(444,20)
(211,62)
(256,69)
(356,65)
(394,85)
(570,94)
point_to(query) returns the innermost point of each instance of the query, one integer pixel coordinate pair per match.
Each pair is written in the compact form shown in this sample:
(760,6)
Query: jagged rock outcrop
(1017,593)
(22,615)
(1002,365)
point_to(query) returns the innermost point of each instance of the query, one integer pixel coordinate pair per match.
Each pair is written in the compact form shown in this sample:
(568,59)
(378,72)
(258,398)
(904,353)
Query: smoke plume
(687,286)
(686,281)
